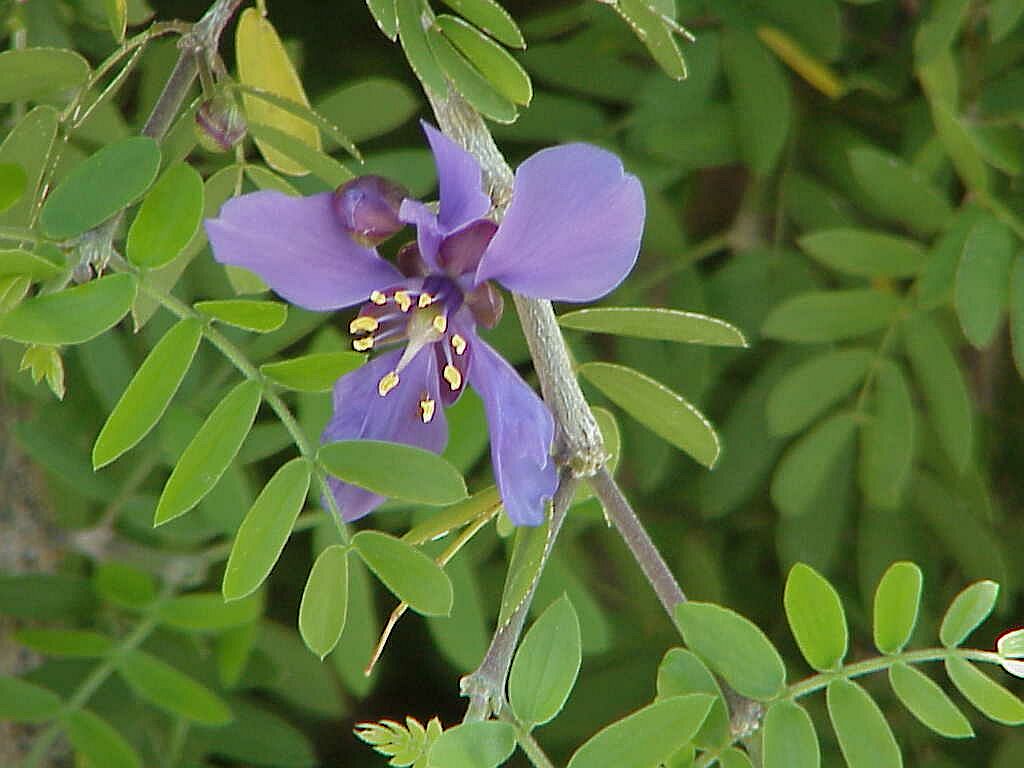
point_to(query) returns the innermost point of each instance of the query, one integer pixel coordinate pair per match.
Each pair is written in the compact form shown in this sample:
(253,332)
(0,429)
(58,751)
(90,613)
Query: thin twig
(622,516)
(485,686)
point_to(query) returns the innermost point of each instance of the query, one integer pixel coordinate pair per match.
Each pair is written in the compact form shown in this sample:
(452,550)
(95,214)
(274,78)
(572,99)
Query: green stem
(879,663)
(533,751)
(859,669)
(238,358)
(98,677)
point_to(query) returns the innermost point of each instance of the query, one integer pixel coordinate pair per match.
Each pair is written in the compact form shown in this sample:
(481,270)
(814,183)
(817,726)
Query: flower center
(418,316)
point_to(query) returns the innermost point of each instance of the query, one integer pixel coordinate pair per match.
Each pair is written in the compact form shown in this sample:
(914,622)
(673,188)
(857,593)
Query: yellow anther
(425,300)
(427,408)
(388,382)
(378,298)
(459,344)
(452,376)
(440,323)
(363,324)
(404,302)
(361,345)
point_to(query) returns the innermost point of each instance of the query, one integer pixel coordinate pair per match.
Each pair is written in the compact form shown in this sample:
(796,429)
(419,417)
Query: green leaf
(988,696)
(656,407)
(681,672)
(816,618)
(149,393)
(820,316)
(865,252)
(491,17)
(317,372)
(1017,313)
(370,108)
(259,737)
(417,49)
(655,34)
(494,62)
(265,530)
(207,612)
(887,439)
(485,744)
(647,737)
(100,186)
(298,155)
(982,280)
(928,702)
(545,666)
(117,17)
(810,389)
(406,571)
(864,735)
(250,314)
(19,262)
(13,181)
(968,609)
(475,88)
(25,702)
(168,218)
(96,741)
(383,12)
(760,96)
(897,602)
(939,30)
(263,63)
(806,465)
(900,192)
(733,647)
(28,146)
(789,738)
(426,478)
(124,585)
(46,596)
(65,643)
(29,74)
(735,758)
(303,112)
(71,316)
(942,384)
(960,146)
(1003,17)
(165,687)
(523,568)
(210,452)
(651,323)
(324,604)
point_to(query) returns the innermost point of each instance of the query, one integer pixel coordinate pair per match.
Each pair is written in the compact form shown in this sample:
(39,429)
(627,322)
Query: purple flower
(571,233)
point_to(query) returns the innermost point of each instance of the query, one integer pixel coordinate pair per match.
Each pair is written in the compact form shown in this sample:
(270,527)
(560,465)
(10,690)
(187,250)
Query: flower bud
(368,208)
(220,124)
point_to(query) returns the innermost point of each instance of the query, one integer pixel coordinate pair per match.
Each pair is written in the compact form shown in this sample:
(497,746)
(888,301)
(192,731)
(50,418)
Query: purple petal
(522,431)
(297,245)
(460,252)
(572,231)
(460,182)
(428,232)
(361,413)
